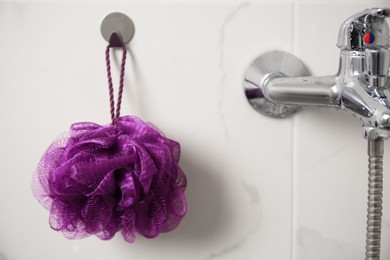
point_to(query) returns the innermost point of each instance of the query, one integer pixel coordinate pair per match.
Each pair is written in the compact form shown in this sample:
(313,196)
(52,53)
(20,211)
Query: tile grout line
(293,189)
(293,204)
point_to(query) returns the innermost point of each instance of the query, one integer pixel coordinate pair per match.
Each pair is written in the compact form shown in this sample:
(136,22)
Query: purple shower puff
(97,180)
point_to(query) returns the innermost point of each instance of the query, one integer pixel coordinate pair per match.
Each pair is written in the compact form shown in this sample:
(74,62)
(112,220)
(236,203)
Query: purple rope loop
(115,113)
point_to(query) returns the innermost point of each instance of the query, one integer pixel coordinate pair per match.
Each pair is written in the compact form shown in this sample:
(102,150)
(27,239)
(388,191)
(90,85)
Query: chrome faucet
(277,84)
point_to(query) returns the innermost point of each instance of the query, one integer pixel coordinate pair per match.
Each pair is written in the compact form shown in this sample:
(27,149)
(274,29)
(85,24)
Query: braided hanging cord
(115,113)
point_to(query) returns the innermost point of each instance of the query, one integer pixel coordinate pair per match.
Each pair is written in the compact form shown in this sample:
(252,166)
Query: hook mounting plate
(120,24)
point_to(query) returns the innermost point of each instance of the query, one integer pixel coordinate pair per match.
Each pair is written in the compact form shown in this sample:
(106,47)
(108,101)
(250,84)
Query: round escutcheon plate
(261,70)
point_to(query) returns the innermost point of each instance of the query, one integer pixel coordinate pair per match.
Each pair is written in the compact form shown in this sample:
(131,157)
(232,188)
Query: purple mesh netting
(97,180)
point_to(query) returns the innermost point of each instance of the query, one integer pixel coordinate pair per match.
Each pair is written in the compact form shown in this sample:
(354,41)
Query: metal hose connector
(375,193)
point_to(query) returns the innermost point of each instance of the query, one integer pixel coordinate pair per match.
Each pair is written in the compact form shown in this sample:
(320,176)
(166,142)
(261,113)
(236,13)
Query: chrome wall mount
(265,68)
(277,84)
(117,29)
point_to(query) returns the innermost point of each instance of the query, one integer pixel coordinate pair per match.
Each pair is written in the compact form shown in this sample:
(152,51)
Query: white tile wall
(258,188)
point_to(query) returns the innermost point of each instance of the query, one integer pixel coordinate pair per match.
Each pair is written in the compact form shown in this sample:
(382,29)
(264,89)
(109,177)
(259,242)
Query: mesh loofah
(98,180)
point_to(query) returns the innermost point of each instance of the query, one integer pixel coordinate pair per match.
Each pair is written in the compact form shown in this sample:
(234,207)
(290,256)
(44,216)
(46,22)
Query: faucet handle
(367,29)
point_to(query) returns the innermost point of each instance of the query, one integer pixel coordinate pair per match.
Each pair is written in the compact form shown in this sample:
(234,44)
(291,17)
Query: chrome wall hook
(117,29)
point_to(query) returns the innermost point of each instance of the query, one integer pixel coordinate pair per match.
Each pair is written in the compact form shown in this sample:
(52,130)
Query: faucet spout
(304,91)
